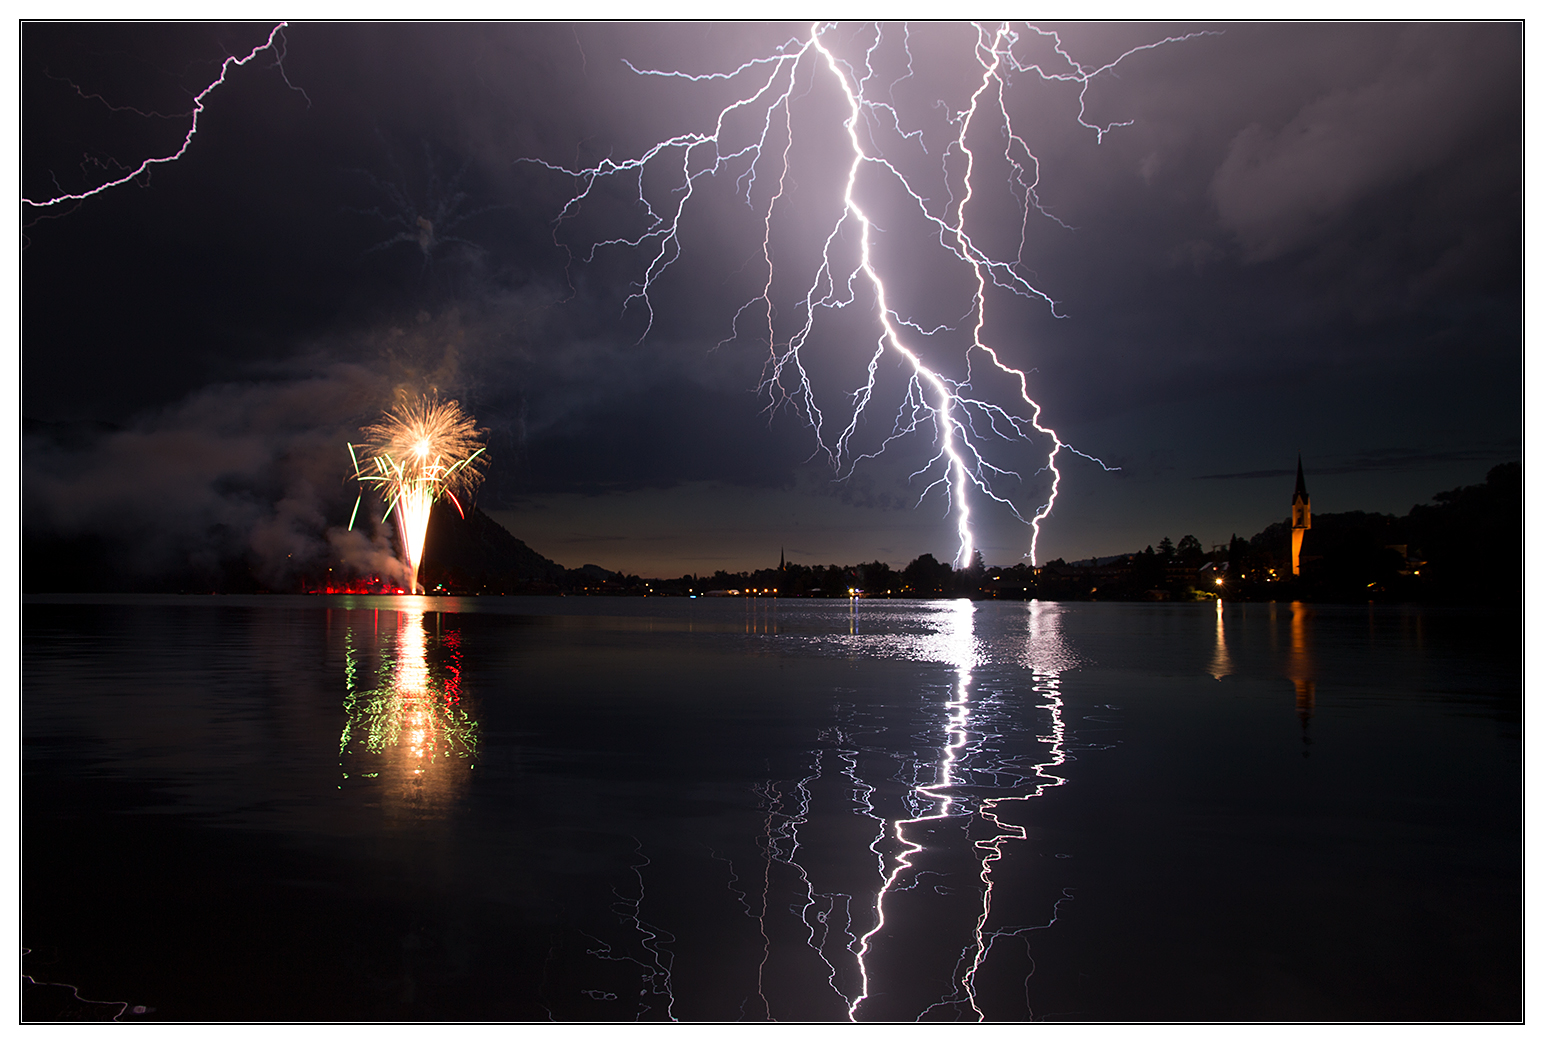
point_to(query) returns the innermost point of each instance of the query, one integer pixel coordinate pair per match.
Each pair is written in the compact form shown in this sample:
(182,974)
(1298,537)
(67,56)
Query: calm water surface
(361,808)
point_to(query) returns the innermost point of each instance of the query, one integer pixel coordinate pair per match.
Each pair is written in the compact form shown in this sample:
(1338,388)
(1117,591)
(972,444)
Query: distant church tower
(1302,520)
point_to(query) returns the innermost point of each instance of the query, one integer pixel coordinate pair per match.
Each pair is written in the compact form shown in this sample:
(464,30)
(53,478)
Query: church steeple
(1302,518)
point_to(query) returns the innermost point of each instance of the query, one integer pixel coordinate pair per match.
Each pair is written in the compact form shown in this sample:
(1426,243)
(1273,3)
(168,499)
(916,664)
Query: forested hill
(475,553)
(1465,546)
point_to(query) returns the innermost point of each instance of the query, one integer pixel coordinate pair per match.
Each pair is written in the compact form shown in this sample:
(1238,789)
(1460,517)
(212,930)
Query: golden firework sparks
(420,450)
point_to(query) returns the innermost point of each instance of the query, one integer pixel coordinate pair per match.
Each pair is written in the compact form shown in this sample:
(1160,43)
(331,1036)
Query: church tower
(1302,519)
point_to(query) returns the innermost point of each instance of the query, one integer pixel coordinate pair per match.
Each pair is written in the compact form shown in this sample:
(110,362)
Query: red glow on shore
(363,586)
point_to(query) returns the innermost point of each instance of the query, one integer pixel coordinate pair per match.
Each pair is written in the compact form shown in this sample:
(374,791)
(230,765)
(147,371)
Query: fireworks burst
(420,450)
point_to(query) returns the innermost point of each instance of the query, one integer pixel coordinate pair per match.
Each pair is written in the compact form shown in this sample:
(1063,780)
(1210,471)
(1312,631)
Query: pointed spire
(782,563)
(1302,490)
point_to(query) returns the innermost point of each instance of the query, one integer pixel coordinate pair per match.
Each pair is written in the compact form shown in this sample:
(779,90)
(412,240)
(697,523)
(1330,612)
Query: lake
(404,808)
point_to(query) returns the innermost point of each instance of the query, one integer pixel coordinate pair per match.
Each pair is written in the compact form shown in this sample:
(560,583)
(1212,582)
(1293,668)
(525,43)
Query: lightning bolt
(962,422)
(275,42)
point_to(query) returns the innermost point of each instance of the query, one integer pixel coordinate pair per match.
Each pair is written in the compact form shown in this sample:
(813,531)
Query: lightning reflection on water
(942,818)
(890,870)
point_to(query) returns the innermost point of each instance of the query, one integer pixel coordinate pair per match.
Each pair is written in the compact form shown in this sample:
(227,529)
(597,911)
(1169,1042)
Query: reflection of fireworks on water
(411,726)
(420,450)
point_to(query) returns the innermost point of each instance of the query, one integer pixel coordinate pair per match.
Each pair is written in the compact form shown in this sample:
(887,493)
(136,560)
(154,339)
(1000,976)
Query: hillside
(477,555)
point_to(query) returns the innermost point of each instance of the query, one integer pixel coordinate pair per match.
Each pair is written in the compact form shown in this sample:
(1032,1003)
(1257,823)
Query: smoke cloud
(253,473)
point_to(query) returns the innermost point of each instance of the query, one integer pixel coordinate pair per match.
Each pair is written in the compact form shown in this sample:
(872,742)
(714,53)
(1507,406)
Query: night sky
(1308,240)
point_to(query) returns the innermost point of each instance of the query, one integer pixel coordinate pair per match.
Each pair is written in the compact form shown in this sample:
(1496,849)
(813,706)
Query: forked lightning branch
(883,147)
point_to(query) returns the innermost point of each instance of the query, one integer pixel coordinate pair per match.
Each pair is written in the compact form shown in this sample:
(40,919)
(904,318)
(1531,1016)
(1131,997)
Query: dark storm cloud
(1299,231)
(1428,98)
(1388,459)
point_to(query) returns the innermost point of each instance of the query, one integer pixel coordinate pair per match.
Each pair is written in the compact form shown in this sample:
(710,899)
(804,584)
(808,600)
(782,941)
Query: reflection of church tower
(1300,667)
(1302,521)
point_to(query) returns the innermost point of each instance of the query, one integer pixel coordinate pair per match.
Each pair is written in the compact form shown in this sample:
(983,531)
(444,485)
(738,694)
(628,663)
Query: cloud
(1386,459)
(1194,253)
(1268,473)
(250,471)
(1281,189)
